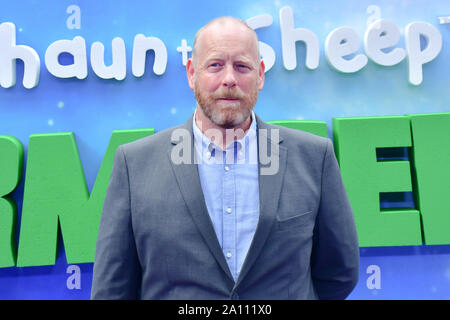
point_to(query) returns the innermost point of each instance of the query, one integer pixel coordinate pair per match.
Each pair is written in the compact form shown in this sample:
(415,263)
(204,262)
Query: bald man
(226,206)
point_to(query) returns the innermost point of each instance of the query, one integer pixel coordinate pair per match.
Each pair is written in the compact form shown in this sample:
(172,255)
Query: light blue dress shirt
(229,180)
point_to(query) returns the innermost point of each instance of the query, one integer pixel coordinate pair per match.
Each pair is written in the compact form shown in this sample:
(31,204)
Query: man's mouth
(229,99)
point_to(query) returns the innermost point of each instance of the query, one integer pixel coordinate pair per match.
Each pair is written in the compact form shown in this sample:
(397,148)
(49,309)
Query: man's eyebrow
(238,59)
(249,62)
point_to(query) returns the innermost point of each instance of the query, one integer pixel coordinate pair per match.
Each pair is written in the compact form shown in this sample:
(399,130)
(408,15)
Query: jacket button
(235,296)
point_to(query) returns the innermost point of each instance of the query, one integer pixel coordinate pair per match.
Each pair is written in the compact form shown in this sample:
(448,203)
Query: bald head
(222,23)
(226,73)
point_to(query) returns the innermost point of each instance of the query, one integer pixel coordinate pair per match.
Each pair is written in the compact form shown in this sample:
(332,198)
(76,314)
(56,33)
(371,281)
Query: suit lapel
(269,194)
(189,183)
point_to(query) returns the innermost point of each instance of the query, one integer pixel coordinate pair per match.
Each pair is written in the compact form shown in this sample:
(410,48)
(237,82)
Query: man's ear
(261,75)
(190,72)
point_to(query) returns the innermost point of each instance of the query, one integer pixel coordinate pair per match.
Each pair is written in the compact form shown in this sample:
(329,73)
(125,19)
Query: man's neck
(211,130)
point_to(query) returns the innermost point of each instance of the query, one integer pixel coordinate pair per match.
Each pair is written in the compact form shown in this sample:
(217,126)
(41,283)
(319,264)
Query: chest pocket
(294,221)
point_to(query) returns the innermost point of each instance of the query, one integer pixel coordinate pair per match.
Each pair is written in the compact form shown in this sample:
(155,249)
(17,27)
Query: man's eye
(242,66)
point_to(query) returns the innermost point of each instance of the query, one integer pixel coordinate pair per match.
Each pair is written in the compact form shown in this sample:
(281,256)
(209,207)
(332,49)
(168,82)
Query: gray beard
(230,117)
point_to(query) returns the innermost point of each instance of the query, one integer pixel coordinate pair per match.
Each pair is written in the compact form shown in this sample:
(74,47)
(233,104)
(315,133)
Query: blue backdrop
(93,107)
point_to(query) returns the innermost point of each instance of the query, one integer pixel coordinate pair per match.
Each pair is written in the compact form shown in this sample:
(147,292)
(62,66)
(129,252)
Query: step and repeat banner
(79,78)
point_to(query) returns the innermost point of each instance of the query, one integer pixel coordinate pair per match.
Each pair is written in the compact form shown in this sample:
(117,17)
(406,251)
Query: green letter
(431,136)
(11,161)
(356,141)
(312,126)
(55,189)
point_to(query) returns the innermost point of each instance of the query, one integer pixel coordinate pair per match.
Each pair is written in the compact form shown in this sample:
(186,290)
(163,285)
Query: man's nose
(229,78)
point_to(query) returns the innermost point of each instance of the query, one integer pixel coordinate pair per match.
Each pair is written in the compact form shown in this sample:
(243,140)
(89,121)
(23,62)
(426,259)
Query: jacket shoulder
(153,142)
(303,139)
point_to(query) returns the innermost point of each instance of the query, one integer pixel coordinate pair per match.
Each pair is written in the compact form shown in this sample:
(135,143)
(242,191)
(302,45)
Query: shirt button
(228,210)
(228,255)
(208,155)
(227,168)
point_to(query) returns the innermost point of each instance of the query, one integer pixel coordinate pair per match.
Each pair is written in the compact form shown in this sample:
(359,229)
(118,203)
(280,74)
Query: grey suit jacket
(156,239)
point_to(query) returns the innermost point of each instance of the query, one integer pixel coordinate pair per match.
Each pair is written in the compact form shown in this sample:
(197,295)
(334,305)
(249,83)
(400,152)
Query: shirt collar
(205,147)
